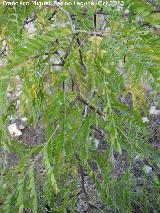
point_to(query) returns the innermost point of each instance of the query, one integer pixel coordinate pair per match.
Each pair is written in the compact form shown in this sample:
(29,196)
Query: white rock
(126,12)
(147,169)
(8,94)
(154,111)
(97,142)
(18,102)
(17,78)
(21,126)
(24,119)
(121,67)
(139,19)
(145,119)
(14,130)
(30,27)
(61,52)
(137,157)
(59,24)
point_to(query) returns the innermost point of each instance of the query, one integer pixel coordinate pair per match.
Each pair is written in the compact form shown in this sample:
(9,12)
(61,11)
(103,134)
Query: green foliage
(75,97)
(32,189)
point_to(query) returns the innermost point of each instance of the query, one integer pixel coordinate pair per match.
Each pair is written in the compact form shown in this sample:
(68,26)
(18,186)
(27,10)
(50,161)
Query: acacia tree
(83,71)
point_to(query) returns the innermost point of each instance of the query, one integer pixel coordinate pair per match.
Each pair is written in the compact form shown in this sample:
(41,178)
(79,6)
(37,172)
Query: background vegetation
(86,77)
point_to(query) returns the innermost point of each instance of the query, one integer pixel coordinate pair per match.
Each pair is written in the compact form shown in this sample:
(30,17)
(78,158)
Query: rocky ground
(30,136)
(34,136)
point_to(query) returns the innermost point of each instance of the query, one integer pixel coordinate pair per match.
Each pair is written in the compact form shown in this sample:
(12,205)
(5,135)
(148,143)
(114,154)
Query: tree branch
(63,60)
(82,99)
(83,66)
(26,21)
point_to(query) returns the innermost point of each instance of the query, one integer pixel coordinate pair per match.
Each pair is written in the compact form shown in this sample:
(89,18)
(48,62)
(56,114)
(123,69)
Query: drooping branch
(83,99)
(94,21)
(82,64)
(63,60)
(94,108)
(74,31)
(52,15)
(27,21)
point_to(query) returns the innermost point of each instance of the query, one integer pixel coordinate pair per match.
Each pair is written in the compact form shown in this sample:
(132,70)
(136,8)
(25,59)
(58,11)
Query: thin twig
(82,183)
(53,14)
(81,172)
(94,33)
(83,66)
(69,18)
(82,99)
(63,60)
(3,52)
(26,21)
(94,21)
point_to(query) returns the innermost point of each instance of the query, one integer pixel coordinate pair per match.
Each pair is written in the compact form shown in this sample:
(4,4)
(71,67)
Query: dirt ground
(34,136)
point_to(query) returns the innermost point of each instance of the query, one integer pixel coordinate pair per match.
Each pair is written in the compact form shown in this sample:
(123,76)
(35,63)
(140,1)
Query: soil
(34,136)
